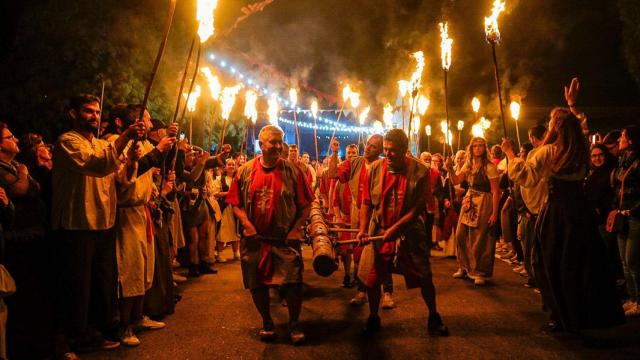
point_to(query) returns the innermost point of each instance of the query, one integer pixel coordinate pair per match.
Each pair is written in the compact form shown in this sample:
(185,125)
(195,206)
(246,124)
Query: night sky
(368,44)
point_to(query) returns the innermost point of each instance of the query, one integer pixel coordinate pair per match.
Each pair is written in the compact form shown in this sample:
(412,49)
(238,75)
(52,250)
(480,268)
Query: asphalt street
(216,320)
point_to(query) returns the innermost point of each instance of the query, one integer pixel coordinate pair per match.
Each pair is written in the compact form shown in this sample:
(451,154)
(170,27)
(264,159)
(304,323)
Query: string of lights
(322,123)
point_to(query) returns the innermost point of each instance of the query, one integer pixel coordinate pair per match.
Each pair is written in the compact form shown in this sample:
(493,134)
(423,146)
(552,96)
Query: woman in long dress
(229,225)
(475,245)
(571,268)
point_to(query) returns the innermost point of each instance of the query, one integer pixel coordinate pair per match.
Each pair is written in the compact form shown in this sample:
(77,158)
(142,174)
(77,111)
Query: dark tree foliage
(60,48)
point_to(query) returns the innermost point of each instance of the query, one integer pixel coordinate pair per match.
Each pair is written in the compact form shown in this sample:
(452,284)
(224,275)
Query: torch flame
(445,46)
(403,87)
(387,116)
(416,124)
(273,109)
(515,110)
(378,128)
(364,114)
(427,129)
(314,108)
(250,98)
(477,130)
(193,98)
(491,30)
(416,77)
(475,104)
(346,93)
(443,126)
(204,15)
(354,98)
(423,104)
(227,99)
(293,97)
(486,124)
(460,125)
(214,83)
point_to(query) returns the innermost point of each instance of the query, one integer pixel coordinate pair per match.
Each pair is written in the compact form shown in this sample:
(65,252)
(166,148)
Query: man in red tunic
(271,199)
(342,205)
(353,172)
(393,206)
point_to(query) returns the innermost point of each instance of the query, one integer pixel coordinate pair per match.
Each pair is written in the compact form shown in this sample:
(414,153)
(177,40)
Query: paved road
(216,320)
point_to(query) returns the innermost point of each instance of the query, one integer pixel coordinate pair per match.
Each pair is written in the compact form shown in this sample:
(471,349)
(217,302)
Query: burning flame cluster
(447,132)
(445,46)
(403,87)
(293,97)
(364,114)
(515,110)
(416,77)
(227,99)
(204,15)
(423,104)
(491,29)
(273,110)
(314,108)
(388,115)
(346,93)
(213,82)
(250,111)
(477,130)
(192,98)
(475,104)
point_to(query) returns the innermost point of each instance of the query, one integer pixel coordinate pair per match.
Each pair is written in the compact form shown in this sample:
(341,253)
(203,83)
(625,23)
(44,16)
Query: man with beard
(354,173)
(393,203)
(83,213)
(342,200)
(271,200)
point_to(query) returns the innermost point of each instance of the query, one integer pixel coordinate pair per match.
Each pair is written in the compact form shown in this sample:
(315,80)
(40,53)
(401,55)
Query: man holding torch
(393,204)
(272,201)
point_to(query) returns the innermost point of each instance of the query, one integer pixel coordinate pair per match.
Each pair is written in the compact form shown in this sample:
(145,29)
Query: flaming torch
(213,83)
(251,113)
(444,127)
(460,127)
(363,118)
(477,130)
(423,106)
(227,100)
(204,15)
(191,102)
(293,98)
(492,34)
(387,116)
(475,105)
(515,114)
(273,110)
(427,129)
(314,113)
(416,79)
(403,88)
(346,96)
(445,54)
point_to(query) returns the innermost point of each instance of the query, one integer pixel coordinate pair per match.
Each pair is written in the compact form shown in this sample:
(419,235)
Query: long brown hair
(485,158)
(572,149)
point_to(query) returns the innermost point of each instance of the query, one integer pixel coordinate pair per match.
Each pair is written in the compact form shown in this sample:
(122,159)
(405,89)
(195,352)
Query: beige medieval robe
(134,247)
